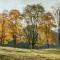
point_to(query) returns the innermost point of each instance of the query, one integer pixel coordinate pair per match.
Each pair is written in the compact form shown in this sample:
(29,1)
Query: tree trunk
(1,41)
(33,45)
(47,44)
(14,40)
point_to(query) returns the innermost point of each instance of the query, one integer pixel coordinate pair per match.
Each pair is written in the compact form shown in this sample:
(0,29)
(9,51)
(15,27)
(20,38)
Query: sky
(20,4)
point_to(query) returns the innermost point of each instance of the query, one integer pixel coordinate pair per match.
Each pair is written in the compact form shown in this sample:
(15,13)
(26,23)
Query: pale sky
(20,4)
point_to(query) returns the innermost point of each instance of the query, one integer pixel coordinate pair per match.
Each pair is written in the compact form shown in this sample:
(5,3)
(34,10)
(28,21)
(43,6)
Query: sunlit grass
(7,53)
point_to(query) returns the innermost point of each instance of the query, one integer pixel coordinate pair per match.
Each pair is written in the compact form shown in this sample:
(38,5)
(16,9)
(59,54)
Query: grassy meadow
(8,53)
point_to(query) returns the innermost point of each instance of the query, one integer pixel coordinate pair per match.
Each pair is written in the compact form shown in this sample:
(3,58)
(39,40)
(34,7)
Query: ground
(8,53)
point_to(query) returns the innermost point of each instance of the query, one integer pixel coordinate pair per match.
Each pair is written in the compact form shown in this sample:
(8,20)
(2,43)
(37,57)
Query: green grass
(8,53)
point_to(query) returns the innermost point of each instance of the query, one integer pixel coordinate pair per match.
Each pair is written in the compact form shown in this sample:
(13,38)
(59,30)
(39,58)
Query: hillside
(8,53)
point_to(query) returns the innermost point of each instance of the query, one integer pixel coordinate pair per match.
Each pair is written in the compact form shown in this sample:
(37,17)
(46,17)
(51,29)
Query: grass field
(8,53)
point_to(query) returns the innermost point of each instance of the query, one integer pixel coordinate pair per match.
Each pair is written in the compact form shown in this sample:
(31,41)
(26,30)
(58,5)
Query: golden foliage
(44,29)
(10,28)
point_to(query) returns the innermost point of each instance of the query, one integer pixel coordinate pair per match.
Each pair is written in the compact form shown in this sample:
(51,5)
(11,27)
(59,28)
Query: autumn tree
(14,16)
(1,19)
(9,26)
(57,15)
(4,15)
(31,15)
(5,26)
(47,23)
(56,11)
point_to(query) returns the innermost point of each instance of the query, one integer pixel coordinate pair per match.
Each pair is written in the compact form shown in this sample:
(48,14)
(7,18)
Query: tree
(31,35)
(57,14)
(1,20)
(3,27)
(14,16)
(9,22)
(48,22)
(31,15)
